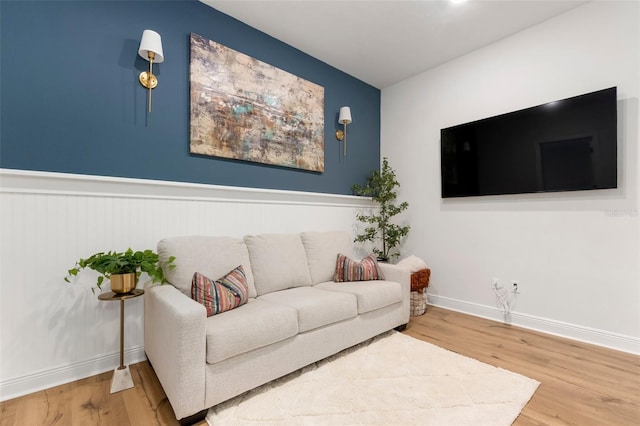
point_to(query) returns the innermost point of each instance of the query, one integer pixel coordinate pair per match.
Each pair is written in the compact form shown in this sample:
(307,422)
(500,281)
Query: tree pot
(123,283)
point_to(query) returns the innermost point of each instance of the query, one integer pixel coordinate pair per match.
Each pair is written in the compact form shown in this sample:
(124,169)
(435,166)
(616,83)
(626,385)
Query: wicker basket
(419,284)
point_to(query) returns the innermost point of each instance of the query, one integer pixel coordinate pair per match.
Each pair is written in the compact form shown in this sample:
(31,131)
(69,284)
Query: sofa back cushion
(278,262)
(322,249)
(210,256)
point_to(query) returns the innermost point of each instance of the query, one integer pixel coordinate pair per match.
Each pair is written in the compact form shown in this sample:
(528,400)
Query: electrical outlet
(515,284)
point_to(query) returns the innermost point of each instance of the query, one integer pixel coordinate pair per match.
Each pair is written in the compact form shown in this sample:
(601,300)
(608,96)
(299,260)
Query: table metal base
(121,376)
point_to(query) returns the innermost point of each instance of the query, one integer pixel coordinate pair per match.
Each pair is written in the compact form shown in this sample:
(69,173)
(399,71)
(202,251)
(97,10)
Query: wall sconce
(344,118)
(151,50)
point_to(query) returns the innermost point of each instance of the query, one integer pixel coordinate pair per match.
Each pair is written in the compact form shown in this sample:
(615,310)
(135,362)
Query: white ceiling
(383,42)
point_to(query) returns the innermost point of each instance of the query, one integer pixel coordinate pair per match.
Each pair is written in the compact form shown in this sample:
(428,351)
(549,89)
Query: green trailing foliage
(382,186)
(110,263)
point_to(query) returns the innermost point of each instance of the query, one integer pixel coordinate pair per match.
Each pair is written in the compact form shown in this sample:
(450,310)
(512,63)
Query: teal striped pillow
(350,270)
(223,294)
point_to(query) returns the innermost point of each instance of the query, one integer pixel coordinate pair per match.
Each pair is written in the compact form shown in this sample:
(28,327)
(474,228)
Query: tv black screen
(564,145)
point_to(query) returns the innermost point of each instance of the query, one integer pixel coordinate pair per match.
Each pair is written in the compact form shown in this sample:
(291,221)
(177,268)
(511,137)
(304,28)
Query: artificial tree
(382,186)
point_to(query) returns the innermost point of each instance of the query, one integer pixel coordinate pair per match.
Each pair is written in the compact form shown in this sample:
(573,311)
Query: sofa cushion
(248,327)
(321,249)
(220,295)
(278,262)
(211,256)
(315,307)
(371,295)
(350,270)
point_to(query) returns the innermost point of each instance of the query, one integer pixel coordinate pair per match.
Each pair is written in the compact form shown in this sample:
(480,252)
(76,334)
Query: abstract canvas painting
(245,109)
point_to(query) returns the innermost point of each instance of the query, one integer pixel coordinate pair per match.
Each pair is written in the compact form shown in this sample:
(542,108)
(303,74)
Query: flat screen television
(564,145)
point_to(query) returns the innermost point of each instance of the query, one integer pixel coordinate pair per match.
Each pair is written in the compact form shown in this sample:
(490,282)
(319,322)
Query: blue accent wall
(71,101)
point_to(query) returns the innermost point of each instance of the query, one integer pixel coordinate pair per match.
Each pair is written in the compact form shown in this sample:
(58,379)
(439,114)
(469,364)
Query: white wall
(52,332)
(576,254)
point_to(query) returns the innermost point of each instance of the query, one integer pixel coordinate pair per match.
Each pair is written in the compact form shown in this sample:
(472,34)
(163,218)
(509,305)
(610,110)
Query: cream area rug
(392,379)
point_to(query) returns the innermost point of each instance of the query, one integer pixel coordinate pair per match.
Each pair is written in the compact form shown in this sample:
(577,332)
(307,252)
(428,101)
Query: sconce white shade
(344,118)
(151,42)
(345,115)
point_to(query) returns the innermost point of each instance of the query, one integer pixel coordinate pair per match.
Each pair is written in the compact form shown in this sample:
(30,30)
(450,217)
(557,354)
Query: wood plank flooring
(581,384)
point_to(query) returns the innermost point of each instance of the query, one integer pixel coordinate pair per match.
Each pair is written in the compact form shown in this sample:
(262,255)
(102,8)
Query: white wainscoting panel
(52,332)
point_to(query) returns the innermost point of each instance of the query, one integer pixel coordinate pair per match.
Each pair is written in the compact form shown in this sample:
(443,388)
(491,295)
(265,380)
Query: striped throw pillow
(350,270)
(223,294)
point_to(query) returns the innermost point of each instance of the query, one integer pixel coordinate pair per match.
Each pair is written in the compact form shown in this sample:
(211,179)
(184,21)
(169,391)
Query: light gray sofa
(296,314)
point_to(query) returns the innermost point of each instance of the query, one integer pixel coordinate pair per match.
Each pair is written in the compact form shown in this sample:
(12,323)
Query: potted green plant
(382,186)
(123,269)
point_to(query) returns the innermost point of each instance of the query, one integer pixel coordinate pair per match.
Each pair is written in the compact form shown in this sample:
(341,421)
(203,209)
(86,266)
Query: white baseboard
(593,336)
(46,379)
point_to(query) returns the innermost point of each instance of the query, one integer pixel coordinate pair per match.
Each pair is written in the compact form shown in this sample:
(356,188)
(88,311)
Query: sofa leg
(194,419)
(402,327)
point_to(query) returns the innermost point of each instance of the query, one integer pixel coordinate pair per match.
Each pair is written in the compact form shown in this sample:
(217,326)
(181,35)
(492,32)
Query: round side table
(121,376)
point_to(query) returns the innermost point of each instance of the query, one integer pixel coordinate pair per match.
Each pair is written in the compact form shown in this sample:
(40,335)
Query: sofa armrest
(175,343)
(403,276)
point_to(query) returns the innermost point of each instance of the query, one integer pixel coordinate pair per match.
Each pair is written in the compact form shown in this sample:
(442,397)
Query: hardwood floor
(88,402)
(581,384)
